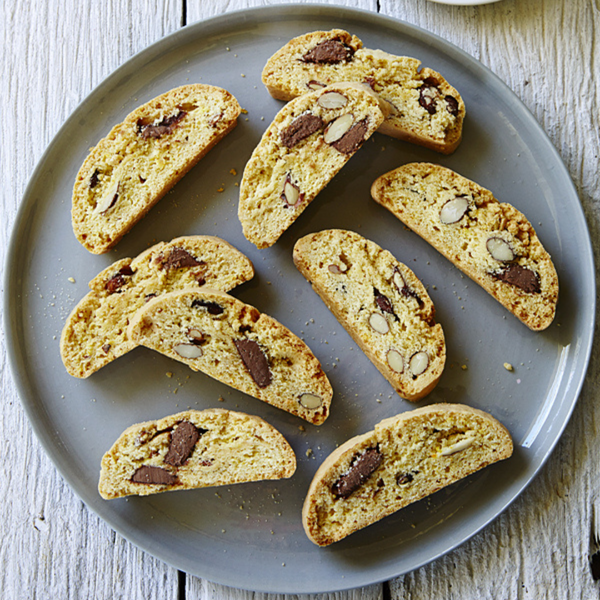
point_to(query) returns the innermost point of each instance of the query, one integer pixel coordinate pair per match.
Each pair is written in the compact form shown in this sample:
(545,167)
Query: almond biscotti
(307,143)
(234,343)
(194,449)
(95,333)
(405,459)
(424,108)
(143,157)
(491,242)
(382,305)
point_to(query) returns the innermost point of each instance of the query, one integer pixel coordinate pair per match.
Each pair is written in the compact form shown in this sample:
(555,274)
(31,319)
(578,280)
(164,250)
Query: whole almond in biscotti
(307,143)
(491,242)
(95,333)
(234,343)
(143,157)
(194,449)
(406,458)
(382,305)
(424,108)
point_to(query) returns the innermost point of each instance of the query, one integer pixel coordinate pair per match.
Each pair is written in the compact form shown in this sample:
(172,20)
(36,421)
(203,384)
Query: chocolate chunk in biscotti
(404,459)
(165,455)
(239,346)
(490,241)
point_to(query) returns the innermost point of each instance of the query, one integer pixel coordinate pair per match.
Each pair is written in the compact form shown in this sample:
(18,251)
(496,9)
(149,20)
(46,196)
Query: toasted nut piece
(461,445)
(395,360)
(500,249)
(310,401)
(332,100)
(379,323)
(195,336)
(188,350)
(337,269)
(315,85)
(109,198)
(419,363)
(291,193)
(454,210)
(337,128)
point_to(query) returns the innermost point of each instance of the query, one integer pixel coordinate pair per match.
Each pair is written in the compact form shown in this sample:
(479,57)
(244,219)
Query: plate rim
(284,12)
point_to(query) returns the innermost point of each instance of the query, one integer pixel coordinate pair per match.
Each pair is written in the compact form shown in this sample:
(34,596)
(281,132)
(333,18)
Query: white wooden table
(53,54)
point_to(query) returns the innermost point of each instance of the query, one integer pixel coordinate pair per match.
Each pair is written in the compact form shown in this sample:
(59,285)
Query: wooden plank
(53,55)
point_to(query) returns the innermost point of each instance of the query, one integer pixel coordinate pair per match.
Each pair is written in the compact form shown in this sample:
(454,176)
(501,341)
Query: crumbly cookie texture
(405,459)
(194,449)
(424,108)
(307,143)
(491,242)
(381,303)
(95,333)
(143,157)
(234,343)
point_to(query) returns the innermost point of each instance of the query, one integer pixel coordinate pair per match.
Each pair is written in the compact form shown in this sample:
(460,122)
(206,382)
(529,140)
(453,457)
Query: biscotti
(307,143)
(405,459)
(382,305)
(194,449)
(234,343)
(424,108)
(95,333)
(143,157)
(491,242)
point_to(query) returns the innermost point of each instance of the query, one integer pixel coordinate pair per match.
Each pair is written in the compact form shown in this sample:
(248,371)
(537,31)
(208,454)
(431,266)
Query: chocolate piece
(521,277)
(383,302)
(427,97)
(212,307)
(149,474)
(149,297)
(329,52)
(360,470)
(115,283)
(452,105)
(352,139)
(183,441)
(166,126)
(300,128)
(178,258)
(255,361)
(94,179)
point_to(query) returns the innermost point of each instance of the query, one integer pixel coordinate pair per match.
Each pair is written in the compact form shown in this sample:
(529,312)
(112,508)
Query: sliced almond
(454,210)
(108,199)
(500,249)
(291,194)
(418,363)
(310,401)
(332,100)
(399,281)
(395,360)
(315,85)
(189,351)
(337,269)
(195,336)
(379,323)
(461,445)
(337,128)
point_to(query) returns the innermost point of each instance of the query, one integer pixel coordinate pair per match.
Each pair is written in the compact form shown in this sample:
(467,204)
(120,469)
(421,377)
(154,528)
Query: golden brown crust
(524,281)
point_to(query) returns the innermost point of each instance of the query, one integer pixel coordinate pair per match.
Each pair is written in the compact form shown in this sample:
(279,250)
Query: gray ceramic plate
(251,536)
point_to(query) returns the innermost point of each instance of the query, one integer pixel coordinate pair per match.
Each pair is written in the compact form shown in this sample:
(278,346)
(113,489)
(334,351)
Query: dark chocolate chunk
(521,277)
(427,98)
(94,179)
(149,297)
(300,128)
(166,126)
(149,474)
(126,270)
(383,302)
(178,258)
(255,361)
(115,283)
(360,470)
(212,307)
(329,52)
(353,138)
(183,441)
(452,105)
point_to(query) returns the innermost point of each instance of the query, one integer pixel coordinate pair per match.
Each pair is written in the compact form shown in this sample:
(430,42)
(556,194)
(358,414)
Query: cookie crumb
(464,367)
(309,453)
(169,374)
(71,280)
(508,366)
(233,172)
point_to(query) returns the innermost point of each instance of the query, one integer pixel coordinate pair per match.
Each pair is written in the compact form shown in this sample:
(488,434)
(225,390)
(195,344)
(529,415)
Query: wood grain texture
(53,55)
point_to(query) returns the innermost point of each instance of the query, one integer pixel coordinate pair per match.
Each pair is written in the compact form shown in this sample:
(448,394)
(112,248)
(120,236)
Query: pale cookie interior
(231,447)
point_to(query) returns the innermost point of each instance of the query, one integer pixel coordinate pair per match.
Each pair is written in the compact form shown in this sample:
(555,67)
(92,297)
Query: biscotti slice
(194,449)
(95,333)
(307,143)
(405,459)
(143,157)
(382,305)
(234,343)
(424,108)
(491,242)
